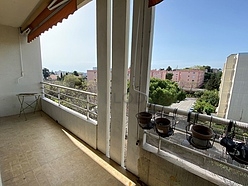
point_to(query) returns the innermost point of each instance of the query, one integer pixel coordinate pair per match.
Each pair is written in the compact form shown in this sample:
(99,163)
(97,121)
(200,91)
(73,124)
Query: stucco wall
(73,121)
(11,82)
(155,170)
(178,165)
(226,84)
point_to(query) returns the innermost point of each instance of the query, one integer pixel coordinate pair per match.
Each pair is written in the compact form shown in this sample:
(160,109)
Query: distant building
(186,78)
(60,72)
(189,78)
(53,77)
(84,74)
(92,75)
(215,70)
(160,74)
(234,88)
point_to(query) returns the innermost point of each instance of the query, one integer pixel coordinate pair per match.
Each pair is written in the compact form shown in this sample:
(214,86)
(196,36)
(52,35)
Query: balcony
(41,150)
(59,148)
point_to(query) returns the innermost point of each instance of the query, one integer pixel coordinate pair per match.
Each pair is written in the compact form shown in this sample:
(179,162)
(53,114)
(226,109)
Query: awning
(55,12)
(154,2)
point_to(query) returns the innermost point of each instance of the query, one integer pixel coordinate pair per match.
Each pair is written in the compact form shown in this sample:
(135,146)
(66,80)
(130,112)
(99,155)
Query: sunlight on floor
(123,179)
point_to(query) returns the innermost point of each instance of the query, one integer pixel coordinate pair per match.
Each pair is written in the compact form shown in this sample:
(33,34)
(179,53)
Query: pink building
(186,78)
(189,78)
(160,74)
(92,76)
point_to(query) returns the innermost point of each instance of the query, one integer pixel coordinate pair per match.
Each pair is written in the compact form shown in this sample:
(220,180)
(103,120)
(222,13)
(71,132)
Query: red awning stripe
(153,2)
(48,18)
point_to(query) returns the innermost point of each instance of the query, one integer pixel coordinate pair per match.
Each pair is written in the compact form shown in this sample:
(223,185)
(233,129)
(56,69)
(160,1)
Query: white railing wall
(84,124)
(56,93)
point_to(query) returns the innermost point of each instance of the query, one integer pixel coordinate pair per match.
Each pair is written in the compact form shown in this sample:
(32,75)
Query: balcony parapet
(214,164)
(78,100)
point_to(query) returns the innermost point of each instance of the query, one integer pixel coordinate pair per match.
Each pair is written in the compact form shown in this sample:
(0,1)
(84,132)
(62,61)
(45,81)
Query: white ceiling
(14,12)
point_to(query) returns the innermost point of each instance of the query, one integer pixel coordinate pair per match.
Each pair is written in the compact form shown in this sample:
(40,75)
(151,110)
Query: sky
(186,33)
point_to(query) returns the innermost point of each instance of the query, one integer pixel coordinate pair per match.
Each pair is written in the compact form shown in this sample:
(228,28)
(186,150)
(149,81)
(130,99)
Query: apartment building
(189,78)
(92,75)
(234,88)
(186,78)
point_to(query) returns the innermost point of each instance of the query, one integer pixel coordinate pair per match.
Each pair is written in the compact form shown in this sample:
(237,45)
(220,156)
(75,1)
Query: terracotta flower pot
(162,125)
(201,135)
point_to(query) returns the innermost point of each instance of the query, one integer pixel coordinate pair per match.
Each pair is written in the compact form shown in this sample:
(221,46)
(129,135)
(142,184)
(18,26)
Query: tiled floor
(38,152)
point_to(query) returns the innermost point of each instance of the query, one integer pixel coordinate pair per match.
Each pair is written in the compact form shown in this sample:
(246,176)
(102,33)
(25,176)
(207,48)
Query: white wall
(10,69)
(226,84)
(239,96)
(73,121)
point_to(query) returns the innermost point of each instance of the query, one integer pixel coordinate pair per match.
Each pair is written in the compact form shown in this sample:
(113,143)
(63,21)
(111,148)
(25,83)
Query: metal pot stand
(171,125)
(190,138)
(237,151)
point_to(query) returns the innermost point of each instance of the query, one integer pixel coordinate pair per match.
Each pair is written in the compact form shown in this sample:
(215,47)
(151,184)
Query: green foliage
(245,135)
(75,73)
(73,81)
(208,108)
(198,94)
(181,95)
(165,92)
(169,68)
(46,73)
(128,86)
(169,76)
(214,81)
(210,96)
(207,102)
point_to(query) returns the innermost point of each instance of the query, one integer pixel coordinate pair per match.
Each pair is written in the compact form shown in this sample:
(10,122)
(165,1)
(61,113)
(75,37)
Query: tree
(75,73)
(198,94)
(72,81)
(169,76)
(169,68)
(165,92)
(46,73)
(210,96)
(208,102)
(214,81)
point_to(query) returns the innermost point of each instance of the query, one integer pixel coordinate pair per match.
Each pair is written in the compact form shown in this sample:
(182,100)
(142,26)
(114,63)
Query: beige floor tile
(37,152)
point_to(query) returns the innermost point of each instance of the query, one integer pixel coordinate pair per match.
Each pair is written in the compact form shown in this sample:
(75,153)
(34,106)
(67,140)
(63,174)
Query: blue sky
(186,33)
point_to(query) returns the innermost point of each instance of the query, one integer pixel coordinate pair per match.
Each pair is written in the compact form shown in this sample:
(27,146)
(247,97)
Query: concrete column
(103,74)
(142,36)
(120,32)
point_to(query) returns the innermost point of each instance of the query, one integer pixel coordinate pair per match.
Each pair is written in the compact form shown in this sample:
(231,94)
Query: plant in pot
(144,120)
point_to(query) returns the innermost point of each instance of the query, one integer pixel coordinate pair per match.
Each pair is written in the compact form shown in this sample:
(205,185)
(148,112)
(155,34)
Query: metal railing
(203,117)
(214,159)
(219,126)
(75,99)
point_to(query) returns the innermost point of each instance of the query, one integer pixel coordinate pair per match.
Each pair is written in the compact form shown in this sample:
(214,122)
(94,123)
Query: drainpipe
(135,56)
(21,61)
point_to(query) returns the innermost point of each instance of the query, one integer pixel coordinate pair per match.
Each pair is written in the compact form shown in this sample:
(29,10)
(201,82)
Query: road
(185,104)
